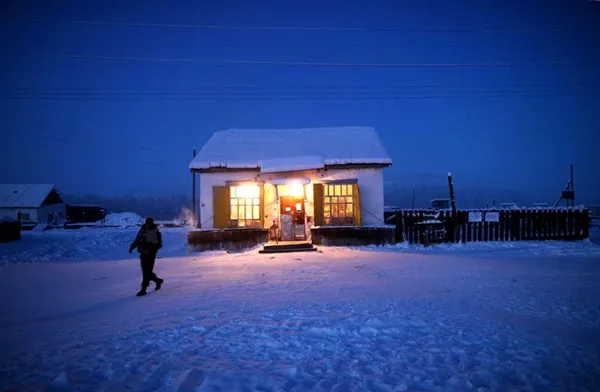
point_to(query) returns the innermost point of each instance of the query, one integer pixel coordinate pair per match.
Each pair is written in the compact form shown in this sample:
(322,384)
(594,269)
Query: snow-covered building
(297,178)
(32,203)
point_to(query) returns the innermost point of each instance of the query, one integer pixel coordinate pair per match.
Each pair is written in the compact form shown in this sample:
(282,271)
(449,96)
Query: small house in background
(32,204)
(323,185)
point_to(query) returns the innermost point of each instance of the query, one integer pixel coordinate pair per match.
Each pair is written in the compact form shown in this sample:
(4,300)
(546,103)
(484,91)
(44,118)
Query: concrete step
(299,245)
(288,248)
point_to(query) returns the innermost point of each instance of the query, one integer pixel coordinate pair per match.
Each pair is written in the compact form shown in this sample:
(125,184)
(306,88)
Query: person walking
(148,241)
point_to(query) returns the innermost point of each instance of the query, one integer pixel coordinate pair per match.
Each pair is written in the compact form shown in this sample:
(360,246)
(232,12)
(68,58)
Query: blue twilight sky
(125,115)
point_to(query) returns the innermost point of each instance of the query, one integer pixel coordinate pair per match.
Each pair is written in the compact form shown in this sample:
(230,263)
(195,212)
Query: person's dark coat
(148,239)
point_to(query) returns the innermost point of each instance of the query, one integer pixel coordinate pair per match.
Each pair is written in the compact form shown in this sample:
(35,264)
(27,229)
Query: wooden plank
(501,225)
(518,220)
(570,224)
(546,225)
(585,230)
(577,224)
(486,231)
(562,225)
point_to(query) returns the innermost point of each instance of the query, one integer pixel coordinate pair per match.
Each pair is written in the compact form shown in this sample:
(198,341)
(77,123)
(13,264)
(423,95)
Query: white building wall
(370,185)
(58,212)
(12,212)
(207,181)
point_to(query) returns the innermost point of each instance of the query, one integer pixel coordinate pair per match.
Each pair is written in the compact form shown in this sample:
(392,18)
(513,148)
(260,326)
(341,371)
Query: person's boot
(159,283)
(142,292)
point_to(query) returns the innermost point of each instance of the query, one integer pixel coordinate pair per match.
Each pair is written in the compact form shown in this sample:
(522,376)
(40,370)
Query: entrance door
(292,218)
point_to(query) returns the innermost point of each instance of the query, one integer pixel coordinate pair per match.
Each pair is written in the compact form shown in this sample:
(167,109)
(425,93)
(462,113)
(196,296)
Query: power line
(272,88)
(66,140)
(330,64)
(274,97)
(300,28)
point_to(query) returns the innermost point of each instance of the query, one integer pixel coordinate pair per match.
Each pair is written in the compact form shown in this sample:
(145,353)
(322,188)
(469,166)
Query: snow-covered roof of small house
(274,150)
(24,195)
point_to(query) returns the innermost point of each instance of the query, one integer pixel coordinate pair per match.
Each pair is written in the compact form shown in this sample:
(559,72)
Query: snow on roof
(24,195)
(273,165)
(291,149)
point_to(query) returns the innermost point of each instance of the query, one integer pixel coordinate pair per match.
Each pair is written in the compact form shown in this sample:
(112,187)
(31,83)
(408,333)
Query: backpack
(152,236)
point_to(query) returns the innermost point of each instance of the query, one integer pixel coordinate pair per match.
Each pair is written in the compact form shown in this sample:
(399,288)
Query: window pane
(242,212)
(344,187)
(338,190)
(334,200)
(241,223)
(232,191)
(348,199)
(326,190)
(256,202)
(248,213)
(327,200)
(327,220)
(349,190)
(234,202)
(234,212)
(255,213)
(349,210)
(327,207)
(342,210)
(334,210)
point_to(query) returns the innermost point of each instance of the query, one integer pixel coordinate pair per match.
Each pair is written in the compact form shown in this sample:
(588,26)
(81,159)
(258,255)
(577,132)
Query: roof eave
(224,169)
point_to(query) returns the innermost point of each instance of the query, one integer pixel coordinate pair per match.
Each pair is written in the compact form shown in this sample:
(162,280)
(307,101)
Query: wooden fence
(491,225)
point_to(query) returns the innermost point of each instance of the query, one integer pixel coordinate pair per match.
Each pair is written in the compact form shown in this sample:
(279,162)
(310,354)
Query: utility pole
(572,187)
(453,204)
(194,220)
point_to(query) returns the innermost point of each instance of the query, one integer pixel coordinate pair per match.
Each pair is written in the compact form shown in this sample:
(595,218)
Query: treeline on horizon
(171,207)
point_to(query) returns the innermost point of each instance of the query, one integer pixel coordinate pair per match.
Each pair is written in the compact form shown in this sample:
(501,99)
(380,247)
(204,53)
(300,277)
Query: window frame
(235,205)
(346,191)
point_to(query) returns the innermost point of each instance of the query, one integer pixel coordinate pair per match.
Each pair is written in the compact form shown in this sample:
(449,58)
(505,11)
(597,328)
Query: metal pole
(194,220)
(572,187)
(453,204)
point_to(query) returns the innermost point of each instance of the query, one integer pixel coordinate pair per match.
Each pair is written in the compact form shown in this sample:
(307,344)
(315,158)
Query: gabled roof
(24,195)
(291,149)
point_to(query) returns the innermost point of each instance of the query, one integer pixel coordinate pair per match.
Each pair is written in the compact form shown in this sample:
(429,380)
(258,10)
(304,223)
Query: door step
(288,248)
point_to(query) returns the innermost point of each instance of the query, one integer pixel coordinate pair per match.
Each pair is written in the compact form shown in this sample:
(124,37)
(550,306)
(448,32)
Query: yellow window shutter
(261,206)
(318,203)
(221,207)
(356,200)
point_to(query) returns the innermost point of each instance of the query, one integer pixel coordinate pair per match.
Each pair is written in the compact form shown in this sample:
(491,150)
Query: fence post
(570,223)
(577,215)
(585,232)
(399,226)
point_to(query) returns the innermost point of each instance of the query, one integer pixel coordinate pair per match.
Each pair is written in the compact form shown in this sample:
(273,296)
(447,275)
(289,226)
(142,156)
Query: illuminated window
(338,204)
(245,206)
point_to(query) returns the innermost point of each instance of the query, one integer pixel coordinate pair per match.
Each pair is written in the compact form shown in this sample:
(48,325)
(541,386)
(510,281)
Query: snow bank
(587,247)
(123,219)
(85,245)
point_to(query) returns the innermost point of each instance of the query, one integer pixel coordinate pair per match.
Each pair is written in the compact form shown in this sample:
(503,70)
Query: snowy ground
(481,317)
